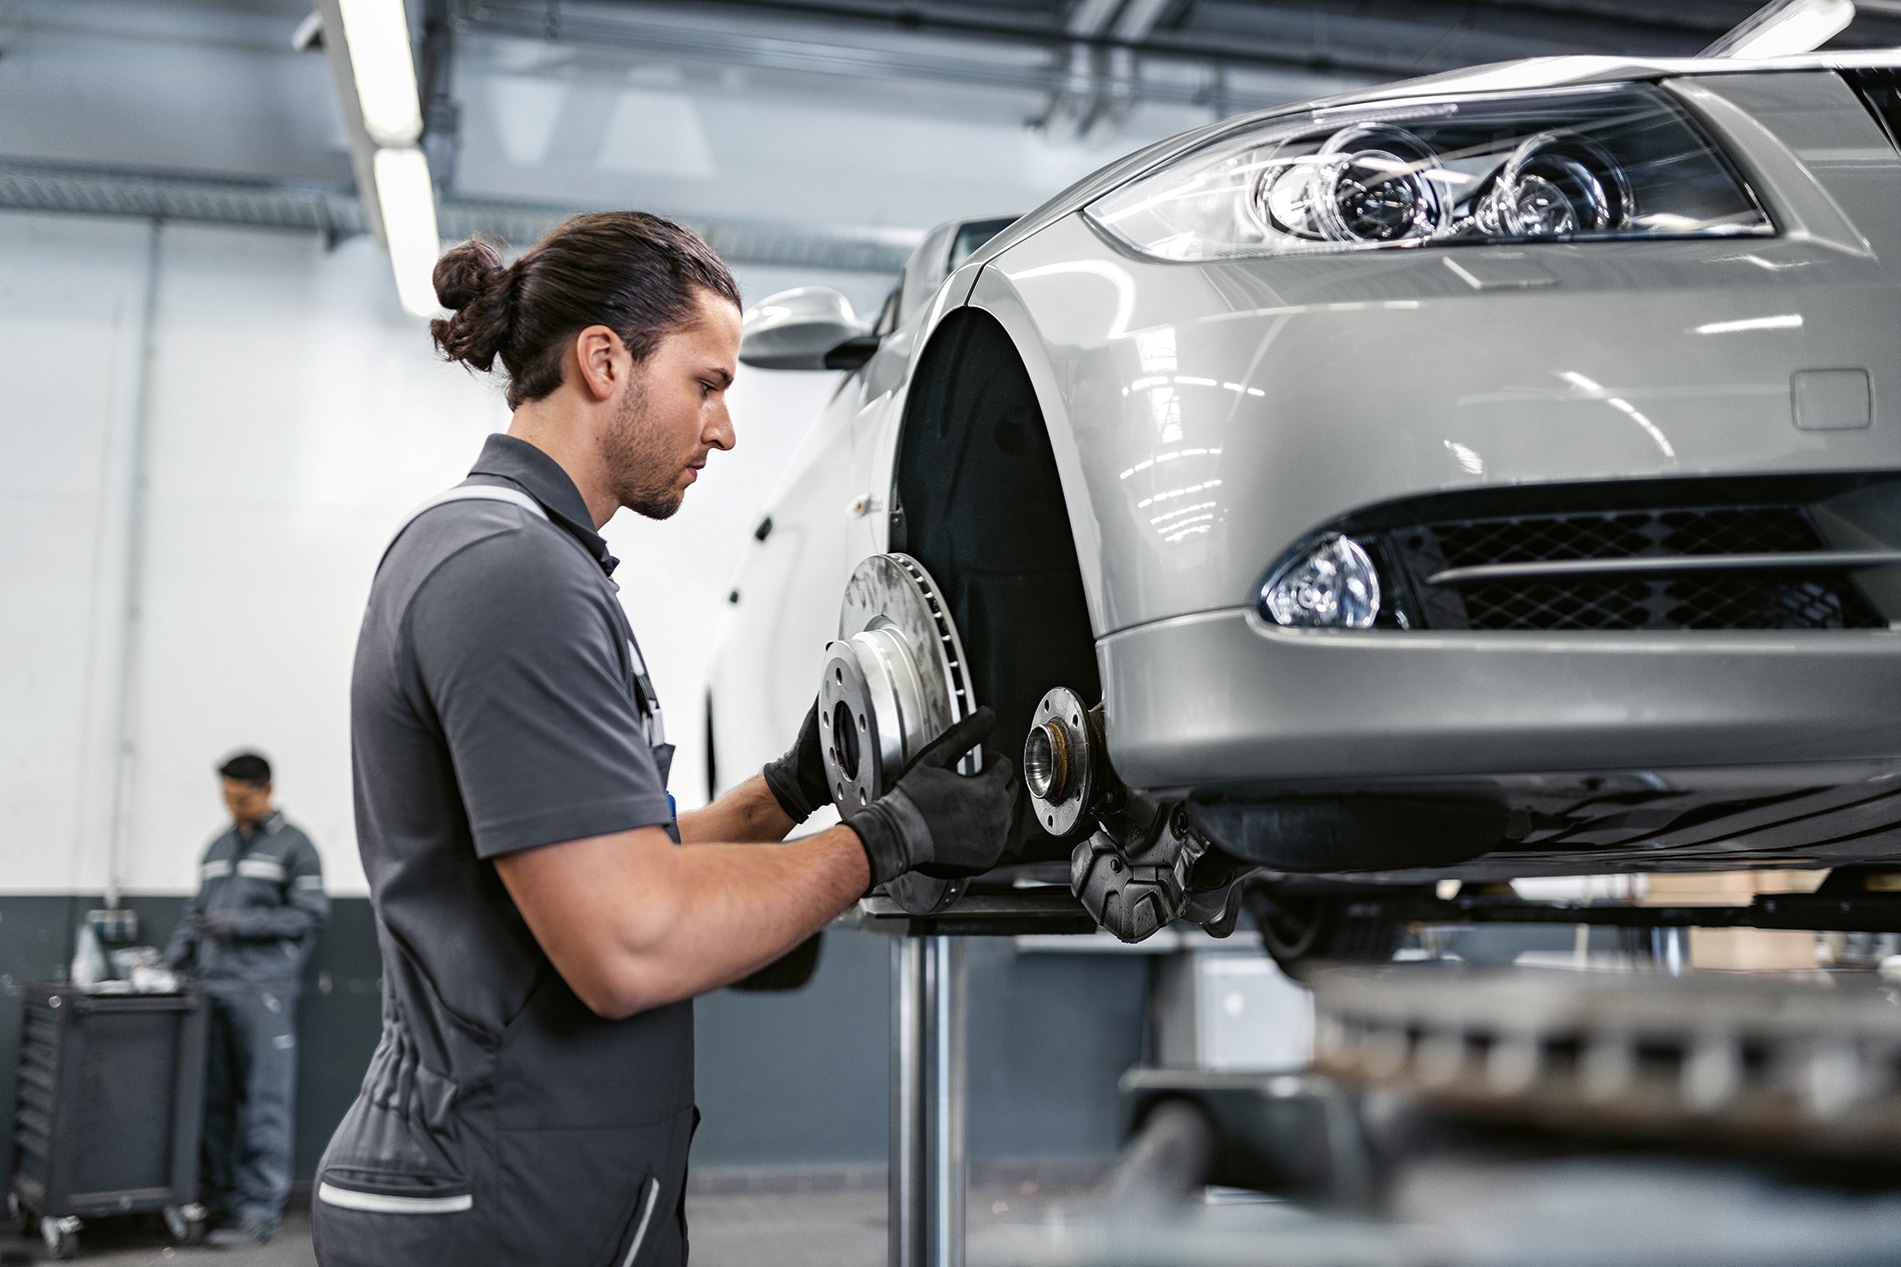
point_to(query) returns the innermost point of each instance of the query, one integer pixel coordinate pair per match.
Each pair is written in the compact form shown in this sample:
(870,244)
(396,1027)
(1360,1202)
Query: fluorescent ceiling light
(1782,321)
(377,33)
(1784,28)
(407,201)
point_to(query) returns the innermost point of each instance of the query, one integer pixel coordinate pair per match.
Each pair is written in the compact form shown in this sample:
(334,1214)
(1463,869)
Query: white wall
(294,416)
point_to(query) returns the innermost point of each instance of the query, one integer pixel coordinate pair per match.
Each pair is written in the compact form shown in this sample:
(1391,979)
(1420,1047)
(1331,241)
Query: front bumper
(1221,701)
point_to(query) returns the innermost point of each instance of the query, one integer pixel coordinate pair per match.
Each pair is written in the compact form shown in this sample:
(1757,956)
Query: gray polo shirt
(497,705)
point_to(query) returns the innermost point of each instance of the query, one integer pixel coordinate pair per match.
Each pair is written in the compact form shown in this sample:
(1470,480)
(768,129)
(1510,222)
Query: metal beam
(822,50)
(831,53)
(336,212)
(1259,32)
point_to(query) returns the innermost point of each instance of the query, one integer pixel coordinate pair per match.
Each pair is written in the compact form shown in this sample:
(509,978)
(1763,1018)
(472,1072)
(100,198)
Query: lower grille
(1736,601)
(1714,600)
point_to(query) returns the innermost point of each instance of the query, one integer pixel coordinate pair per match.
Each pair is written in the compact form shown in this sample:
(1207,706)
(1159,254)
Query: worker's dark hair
(638,275)
(247,767)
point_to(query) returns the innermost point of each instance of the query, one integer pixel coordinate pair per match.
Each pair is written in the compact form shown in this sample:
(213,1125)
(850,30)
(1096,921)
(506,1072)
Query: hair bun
(471,280)
(464,272)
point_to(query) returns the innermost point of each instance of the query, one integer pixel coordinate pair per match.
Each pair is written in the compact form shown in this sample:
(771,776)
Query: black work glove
(797,779)
(937,821)
(219,925)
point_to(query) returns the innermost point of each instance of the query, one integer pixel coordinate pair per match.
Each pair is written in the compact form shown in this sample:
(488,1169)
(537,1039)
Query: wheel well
(977,499)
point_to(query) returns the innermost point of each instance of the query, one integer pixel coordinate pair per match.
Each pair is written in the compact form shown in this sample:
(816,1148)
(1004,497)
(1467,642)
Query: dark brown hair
(637,274)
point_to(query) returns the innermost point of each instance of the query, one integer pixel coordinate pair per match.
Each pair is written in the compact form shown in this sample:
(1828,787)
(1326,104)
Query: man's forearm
(749,814)
(632,921)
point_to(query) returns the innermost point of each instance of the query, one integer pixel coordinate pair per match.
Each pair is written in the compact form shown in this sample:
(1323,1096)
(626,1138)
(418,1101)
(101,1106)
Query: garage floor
(787,1229)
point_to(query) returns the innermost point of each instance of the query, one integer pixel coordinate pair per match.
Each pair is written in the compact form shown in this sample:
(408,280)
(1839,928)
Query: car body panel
(1221,698)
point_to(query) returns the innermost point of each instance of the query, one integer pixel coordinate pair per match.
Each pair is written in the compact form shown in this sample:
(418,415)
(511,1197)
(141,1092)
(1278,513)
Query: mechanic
(244,939)
(544,918)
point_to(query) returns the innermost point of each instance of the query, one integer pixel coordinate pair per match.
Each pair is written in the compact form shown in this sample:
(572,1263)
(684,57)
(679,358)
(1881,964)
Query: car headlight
(1577,164)
(1332,584)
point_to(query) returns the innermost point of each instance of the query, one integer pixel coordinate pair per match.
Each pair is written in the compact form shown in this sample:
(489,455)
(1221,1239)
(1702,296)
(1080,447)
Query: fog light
(1333,585)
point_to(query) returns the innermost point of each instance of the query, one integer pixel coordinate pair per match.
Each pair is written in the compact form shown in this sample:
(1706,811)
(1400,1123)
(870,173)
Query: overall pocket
(392,1187)
(592,1198)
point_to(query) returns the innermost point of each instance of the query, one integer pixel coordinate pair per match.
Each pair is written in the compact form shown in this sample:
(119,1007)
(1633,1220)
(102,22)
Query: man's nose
(719,432)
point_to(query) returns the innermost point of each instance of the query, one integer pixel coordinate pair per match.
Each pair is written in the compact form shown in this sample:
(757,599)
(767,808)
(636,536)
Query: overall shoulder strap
(468,493)
(479,493)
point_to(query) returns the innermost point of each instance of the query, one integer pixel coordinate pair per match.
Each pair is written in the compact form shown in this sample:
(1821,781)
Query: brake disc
(895,680)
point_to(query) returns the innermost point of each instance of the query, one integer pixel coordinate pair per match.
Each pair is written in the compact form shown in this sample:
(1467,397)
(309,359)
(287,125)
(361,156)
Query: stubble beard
(642,474)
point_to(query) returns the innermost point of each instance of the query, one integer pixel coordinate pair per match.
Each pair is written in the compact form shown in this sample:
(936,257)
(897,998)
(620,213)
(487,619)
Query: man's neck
(555,426)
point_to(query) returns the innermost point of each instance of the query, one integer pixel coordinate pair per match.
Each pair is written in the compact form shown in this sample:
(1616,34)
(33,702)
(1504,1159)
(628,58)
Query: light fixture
(1330,584)
(1578,163)
(368,43)
(407,200)
(377,32)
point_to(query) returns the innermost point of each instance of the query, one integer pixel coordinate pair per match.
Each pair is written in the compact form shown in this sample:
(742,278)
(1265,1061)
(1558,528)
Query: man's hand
(219,925)
(937,821)
(797,779)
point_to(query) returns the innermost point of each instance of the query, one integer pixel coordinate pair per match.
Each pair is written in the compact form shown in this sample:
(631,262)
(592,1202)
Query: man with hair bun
(545,919)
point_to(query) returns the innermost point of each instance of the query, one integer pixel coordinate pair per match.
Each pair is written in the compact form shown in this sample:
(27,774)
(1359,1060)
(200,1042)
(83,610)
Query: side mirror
(853,352)
(798,329)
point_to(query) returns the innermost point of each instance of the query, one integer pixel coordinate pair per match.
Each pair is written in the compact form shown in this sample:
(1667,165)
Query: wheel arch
(980,495)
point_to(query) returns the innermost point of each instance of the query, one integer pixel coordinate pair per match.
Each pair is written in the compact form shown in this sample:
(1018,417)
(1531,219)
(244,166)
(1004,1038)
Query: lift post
(929,993)
(929,984)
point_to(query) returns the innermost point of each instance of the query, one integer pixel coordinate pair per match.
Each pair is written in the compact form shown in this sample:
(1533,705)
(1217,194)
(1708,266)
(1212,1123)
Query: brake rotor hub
(894,681)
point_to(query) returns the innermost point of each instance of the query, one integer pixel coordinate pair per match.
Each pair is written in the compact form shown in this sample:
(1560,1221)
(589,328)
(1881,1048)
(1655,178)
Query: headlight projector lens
(1332,585)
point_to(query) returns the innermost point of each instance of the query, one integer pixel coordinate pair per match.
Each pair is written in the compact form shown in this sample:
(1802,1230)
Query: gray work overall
(501,1121)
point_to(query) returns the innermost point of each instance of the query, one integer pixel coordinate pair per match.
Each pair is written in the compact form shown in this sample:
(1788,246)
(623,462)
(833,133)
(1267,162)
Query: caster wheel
(61,1236)
(186,1223)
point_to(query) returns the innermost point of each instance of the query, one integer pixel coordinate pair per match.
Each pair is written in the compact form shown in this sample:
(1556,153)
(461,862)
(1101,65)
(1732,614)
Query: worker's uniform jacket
(498,704)
(269,881)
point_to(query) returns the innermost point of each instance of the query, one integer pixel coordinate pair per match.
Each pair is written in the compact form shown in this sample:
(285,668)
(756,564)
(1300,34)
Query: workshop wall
(796,1080)
(293,415)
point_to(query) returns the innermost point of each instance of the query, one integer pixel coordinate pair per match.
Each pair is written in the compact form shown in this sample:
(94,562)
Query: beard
(642,474)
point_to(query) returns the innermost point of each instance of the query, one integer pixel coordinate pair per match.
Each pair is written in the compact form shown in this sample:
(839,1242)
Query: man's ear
(600,358)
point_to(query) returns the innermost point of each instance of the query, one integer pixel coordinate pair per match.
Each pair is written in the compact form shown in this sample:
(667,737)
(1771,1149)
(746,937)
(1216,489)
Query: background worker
(543,928)
(244,938)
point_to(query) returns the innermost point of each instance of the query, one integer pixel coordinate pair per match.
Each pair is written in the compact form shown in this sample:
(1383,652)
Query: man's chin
(656,505)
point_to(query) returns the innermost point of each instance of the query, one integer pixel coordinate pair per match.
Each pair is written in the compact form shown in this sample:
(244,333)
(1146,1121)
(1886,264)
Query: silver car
(1487,476)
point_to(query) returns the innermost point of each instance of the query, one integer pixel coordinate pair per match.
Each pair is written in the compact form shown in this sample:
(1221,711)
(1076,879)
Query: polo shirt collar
(541,477)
